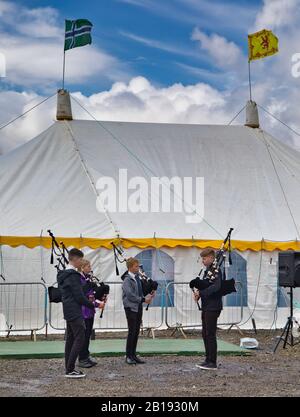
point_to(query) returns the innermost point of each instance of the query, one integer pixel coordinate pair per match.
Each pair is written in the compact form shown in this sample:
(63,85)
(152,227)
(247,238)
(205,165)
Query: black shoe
(130,361)
(137,359)
(92,360)
(202,364)
(209,366)
(85,364)
(75,374)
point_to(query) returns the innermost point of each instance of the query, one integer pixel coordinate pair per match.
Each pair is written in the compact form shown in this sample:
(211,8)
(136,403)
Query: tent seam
(90,178)
(279,181)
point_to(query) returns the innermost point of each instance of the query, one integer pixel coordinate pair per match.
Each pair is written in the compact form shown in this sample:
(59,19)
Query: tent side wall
(22,306)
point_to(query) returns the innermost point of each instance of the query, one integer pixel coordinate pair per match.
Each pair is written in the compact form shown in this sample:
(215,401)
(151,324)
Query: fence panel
(114,315)
(185,313)
(23,306)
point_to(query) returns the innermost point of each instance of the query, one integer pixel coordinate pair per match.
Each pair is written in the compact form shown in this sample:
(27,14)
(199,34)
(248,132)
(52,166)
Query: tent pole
(249,72)
(64,66)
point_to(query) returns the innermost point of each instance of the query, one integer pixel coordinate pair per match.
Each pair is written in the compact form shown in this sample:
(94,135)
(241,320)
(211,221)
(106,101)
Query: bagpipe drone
(227,286)
(148,284)
(93,283)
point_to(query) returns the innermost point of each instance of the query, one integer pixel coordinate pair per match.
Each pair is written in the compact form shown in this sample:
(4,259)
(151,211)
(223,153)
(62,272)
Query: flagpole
(250,91)
(77,32)
(64,66)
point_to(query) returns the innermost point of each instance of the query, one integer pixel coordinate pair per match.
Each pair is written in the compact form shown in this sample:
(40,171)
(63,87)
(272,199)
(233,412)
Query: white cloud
(202,73)
(225,53)
(220,14)
(37,22)
(276,88)
(137,100)
(32,41)
(206,14)
(13,104)
(164,46)
(40,23)
(6,7)
(273,86)
(163,8)
(39,64)
(140,101)
(277,13)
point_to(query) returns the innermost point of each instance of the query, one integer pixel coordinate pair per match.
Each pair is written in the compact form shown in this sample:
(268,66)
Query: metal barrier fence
(185,314)
(114,316)
(23,306)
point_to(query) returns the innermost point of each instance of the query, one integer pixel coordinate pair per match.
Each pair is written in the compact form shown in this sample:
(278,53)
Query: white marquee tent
(250,183)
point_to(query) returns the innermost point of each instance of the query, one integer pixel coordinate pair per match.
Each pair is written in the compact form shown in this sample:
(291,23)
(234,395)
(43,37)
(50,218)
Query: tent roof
(250,183)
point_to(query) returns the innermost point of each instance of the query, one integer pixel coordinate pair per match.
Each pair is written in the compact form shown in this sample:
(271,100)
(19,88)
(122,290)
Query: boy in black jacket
(211,301)
(73,299)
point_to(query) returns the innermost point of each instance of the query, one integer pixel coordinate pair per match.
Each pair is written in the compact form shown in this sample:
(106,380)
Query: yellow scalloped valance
(142,243)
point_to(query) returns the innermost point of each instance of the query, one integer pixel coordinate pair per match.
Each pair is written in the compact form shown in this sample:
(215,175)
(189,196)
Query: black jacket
(72,294)
(211,299)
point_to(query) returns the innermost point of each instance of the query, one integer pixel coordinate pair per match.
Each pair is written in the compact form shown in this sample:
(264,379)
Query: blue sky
(153,38)
(172,61)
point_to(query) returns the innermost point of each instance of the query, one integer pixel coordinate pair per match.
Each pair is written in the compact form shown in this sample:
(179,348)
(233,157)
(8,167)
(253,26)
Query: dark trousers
(85,353)
(74,342)
(209,330)
(134,323)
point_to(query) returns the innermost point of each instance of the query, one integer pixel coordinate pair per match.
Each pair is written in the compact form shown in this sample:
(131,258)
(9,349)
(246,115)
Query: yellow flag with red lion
(261,44)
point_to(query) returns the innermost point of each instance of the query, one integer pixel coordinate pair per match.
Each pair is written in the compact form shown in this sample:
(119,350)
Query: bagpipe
(93,283)
(148,284)
(99,289)
(59,251)
(227,286)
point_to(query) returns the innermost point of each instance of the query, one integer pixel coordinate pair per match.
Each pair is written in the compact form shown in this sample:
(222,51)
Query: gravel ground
(261,374)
